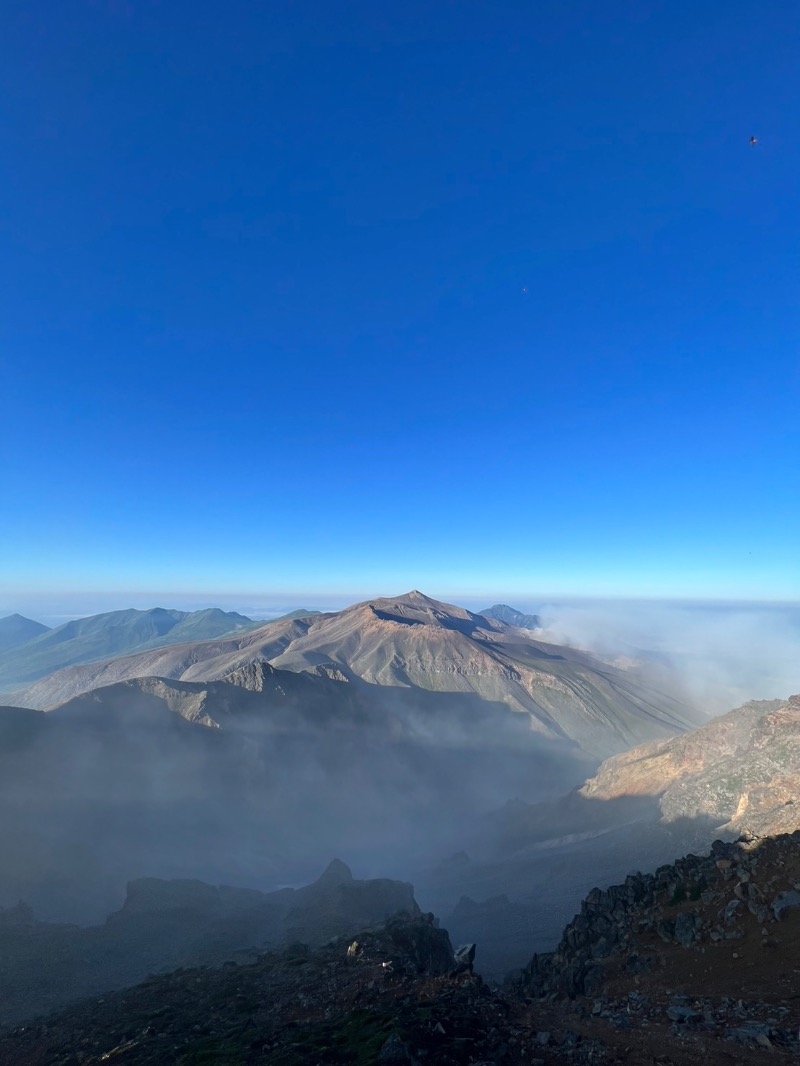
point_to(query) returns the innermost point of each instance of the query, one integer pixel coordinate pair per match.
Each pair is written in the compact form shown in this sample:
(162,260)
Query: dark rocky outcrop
(694,902)
(164,924)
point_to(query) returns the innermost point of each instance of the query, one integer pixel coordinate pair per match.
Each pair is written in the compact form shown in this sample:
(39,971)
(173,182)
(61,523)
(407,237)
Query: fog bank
(725,654)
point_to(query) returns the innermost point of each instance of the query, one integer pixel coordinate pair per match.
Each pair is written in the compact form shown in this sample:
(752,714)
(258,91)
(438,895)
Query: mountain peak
(336,873)
(501,612)
(16,630)
(415,596)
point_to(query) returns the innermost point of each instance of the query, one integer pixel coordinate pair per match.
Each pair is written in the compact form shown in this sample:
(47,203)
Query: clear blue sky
(475,296)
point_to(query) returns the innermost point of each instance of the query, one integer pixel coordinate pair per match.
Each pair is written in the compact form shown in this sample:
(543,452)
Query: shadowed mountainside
(165,924)
(693,963)
(528,864)
(249,780)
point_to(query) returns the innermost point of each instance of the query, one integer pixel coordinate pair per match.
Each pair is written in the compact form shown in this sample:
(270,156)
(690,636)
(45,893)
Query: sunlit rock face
(741,770)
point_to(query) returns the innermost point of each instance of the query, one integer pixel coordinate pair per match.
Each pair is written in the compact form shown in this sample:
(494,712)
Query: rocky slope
(529,864)
(165,924)
(703,953)
(413,641)
(741,770)
(694,962)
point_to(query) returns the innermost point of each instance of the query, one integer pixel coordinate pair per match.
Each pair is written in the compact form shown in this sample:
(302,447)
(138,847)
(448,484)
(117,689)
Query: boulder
(784,902)
(464,957)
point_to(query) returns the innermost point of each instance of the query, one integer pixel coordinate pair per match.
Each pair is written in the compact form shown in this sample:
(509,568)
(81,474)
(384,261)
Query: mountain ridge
(503,613)
(16,630)
(97,637)
(418,642)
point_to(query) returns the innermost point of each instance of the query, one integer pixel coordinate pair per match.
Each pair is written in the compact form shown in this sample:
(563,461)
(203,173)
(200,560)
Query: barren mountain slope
(413,641)
(742,769)
(174,662)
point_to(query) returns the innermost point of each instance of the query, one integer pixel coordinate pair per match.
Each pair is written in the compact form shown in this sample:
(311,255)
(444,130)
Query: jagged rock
(687,926)
(666,930)
(784,902)
(731,911)
(336,873)
(610,922)
(464,957)
(163,924)
(683,1014)
(152,895)
(420,944)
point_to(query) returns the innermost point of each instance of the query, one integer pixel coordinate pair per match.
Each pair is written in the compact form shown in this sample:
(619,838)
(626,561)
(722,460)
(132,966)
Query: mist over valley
(414,739)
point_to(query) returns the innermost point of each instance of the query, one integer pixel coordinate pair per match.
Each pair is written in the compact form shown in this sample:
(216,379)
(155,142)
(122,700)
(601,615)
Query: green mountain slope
(103,636)
(16,630)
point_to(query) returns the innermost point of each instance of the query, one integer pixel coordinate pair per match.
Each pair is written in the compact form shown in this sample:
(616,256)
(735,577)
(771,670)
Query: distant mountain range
(15,630)
(503,613)
(30,650)
(415,641)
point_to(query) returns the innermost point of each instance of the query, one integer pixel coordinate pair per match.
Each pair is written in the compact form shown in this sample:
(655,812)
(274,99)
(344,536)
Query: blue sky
(352,297)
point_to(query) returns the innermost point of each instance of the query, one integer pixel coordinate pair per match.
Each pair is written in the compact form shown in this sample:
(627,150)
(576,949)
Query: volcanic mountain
(413,641)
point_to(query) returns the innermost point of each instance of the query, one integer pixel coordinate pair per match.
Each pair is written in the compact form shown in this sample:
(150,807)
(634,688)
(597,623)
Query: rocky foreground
(699,960)
(164,925)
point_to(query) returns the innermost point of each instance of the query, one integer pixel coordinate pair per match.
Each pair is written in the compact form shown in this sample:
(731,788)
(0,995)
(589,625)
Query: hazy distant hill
(101,636)
(168,923)
(170,661)
(16,630)
(252,779)
(300,613)
(414,641)
(503,613)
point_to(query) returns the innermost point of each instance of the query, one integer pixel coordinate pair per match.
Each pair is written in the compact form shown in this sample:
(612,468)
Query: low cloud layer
(724,654)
